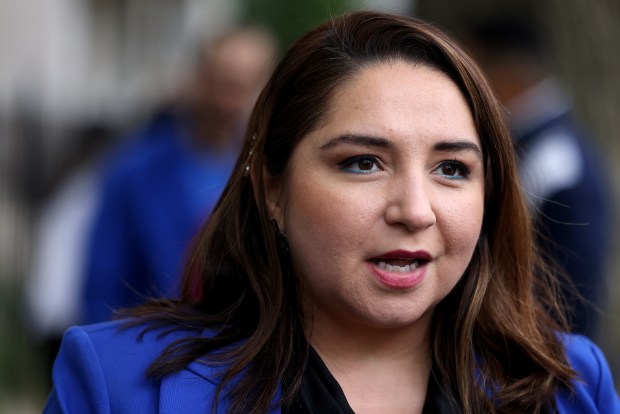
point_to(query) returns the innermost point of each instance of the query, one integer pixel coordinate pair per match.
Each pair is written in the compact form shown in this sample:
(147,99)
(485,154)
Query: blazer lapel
(192,390)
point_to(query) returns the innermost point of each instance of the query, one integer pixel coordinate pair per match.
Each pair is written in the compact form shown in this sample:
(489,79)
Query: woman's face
(383,202)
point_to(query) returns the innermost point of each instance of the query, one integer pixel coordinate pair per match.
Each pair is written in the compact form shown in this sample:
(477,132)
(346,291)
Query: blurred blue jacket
(567,183)
(101,369)
(156,193)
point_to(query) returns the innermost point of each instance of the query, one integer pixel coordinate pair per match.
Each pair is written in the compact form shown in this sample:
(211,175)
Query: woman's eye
(455,170)
(360,164)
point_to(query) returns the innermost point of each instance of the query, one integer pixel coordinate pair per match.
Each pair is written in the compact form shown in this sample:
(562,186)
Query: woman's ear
(272,190)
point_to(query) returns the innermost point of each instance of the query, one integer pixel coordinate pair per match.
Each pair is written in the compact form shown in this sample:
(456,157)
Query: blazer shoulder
(123,339)
(101,368)
(594,390)
(586,358)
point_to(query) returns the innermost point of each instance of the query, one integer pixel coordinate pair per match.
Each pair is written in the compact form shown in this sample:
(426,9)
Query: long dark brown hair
(496,344)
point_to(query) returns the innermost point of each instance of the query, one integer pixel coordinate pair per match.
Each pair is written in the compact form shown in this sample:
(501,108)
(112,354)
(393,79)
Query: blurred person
(372,253)
(158,191)
(561,170)
(52,290)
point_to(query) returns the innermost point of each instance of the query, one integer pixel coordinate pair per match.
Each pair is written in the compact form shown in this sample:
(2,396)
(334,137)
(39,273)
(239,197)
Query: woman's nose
(409,204)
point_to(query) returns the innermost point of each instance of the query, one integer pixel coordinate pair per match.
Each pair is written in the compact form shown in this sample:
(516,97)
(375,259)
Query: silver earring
(248,165)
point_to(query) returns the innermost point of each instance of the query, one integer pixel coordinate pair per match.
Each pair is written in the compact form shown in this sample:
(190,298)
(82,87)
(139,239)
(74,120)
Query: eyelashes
(453,170)
(368,164)
(360,164)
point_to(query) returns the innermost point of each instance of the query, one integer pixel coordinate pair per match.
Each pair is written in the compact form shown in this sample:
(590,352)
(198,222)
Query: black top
(320,393)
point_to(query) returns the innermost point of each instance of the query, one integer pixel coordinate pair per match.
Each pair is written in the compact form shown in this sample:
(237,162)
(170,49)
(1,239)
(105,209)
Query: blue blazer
(100,369)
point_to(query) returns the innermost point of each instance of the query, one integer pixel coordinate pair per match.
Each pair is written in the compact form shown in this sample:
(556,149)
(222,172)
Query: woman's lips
(400,269)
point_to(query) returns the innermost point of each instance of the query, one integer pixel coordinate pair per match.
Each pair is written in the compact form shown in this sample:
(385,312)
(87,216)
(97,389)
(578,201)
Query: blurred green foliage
(289,19)
(23,373)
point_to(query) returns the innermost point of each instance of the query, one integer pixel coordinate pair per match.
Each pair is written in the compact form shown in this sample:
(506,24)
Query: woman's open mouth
(400,269)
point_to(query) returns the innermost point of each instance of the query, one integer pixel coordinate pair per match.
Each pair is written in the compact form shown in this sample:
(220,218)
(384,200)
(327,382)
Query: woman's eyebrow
(370,141)
(361,140)
(457,146)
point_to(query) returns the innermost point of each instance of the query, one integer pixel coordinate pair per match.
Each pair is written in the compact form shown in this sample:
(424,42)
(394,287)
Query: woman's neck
(379,369)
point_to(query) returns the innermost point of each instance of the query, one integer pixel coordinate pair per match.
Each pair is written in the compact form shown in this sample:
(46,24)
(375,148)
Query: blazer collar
(192,390)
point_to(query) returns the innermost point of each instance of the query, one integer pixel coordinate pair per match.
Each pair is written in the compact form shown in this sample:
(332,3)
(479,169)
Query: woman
(372,253)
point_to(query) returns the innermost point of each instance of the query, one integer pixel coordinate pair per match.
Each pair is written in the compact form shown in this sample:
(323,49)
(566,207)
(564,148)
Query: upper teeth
(396,268)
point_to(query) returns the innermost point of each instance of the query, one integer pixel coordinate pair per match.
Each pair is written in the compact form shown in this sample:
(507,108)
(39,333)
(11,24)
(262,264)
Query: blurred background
(77,77)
